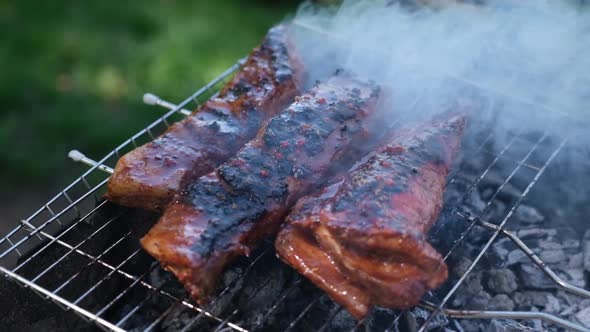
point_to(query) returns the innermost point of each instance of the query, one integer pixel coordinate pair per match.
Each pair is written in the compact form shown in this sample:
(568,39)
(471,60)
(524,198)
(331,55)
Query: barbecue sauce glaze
(224,214)
(150,175)
(363,239)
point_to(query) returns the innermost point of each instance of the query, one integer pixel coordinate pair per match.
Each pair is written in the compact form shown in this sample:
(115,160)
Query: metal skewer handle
(152,99)
(78,156)
(149,99)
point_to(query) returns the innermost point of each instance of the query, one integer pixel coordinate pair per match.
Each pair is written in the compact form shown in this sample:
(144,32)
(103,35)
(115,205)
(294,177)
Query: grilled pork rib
(363,238)
(150,175)
(224,214)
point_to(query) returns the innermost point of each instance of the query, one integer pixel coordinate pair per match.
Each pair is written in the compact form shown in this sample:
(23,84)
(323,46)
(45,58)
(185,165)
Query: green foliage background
(72,73)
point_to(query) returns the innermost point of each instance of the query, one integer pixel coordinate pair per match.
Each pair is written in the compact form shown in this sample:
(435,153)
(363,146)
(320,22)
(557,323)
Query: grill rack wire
(80,204)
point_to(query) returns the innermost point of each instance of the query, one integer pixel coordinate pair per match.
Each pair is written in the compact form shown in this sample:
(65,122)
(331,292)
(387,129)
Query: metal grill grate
(97,269)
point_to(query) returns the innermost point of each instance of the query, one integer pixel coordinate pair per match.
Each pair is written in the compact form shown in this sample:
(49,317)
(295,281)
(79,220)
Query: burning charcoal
(158,277)
(528,215)
(586,251)
(435,323)
(570,244)
(458,326)
(576,261)
(553,306)
(176,320)
(520,300)
(529,299)
(583,316)
(550,245)
(553,256)
(263,289)
(501,281)
(496,210)
(227,329)
(508,193)
(459,300)
(515,257)
(232,280)
(408,322)
(584,304)
(379,318)
(474,204)
(231,275)
(461,266)
(479,301)
(343,321)
(569,299)
(532,277)
(505,325)
(469,325)
(501,302)
(504,252)
(575,277)
(568,311)
(473,283)
(478,236)
(536,233)
(395,327)
(501,248)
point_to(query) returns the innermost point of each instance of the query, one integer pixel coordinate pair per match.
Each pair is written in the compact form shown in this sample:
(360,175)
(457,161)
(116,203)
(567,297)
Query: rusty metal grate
(97,269)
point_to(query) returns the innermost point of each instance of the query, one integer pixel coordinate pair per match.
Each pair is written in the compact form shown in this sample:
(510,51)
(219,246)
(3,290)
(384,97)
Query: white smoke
(536,52)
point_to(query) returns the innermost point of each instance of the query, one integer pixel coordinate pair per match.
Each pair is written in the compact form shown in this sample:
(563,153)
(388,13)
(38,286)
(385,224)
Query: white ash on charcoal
(494,325)
(505,279)
(583,316)
(436,322)
(553,305)
(493,181)
(245,295)
(528,215)
(507,290)
(532,277)
(586,251)
(501,281)
(461,185)
(382,319)
(500,302)
(460,266)
(507,325)
(521,285)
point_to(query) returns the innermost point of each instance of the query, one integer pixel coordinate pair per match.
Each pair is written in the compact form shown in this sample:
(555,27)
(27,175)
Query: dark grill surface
(82,253)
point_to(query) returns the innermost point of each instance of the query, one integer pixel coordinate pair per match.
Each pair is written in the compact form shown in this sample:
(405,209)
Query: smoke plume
(533,57)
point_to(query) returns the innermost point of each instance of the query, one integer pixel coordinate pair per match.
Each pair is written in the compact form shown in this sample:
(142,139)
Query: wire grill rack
(110,281)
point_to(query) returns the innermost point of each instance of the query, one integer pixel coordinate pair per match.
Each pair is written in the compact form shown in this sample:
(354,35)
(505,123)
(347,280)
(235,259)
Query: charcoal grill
(97,270)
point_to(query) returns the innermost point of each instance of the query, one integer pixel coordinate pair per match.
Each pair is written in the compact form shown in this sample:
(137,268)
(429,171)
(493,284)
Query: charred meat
(150,175)
(363,239)
(224,214)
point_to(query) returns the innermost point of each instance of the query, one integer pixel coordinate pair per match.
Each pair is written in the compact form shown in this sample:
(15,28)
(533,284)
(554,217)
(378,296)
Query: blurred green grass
(73,72)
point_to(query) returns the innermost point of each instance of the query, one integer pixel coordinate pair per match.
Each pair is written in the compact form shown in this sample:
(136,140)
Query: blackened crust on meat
(373,222)
(225,211)
(297,136)
(150,175)
(216,220)
(297,146)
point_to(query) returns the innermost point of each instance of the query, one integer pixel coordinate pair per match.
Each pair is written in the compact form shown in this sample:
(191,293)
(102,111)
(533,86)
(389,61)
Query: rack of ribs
(363,238)
(224,214)
(149,176)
